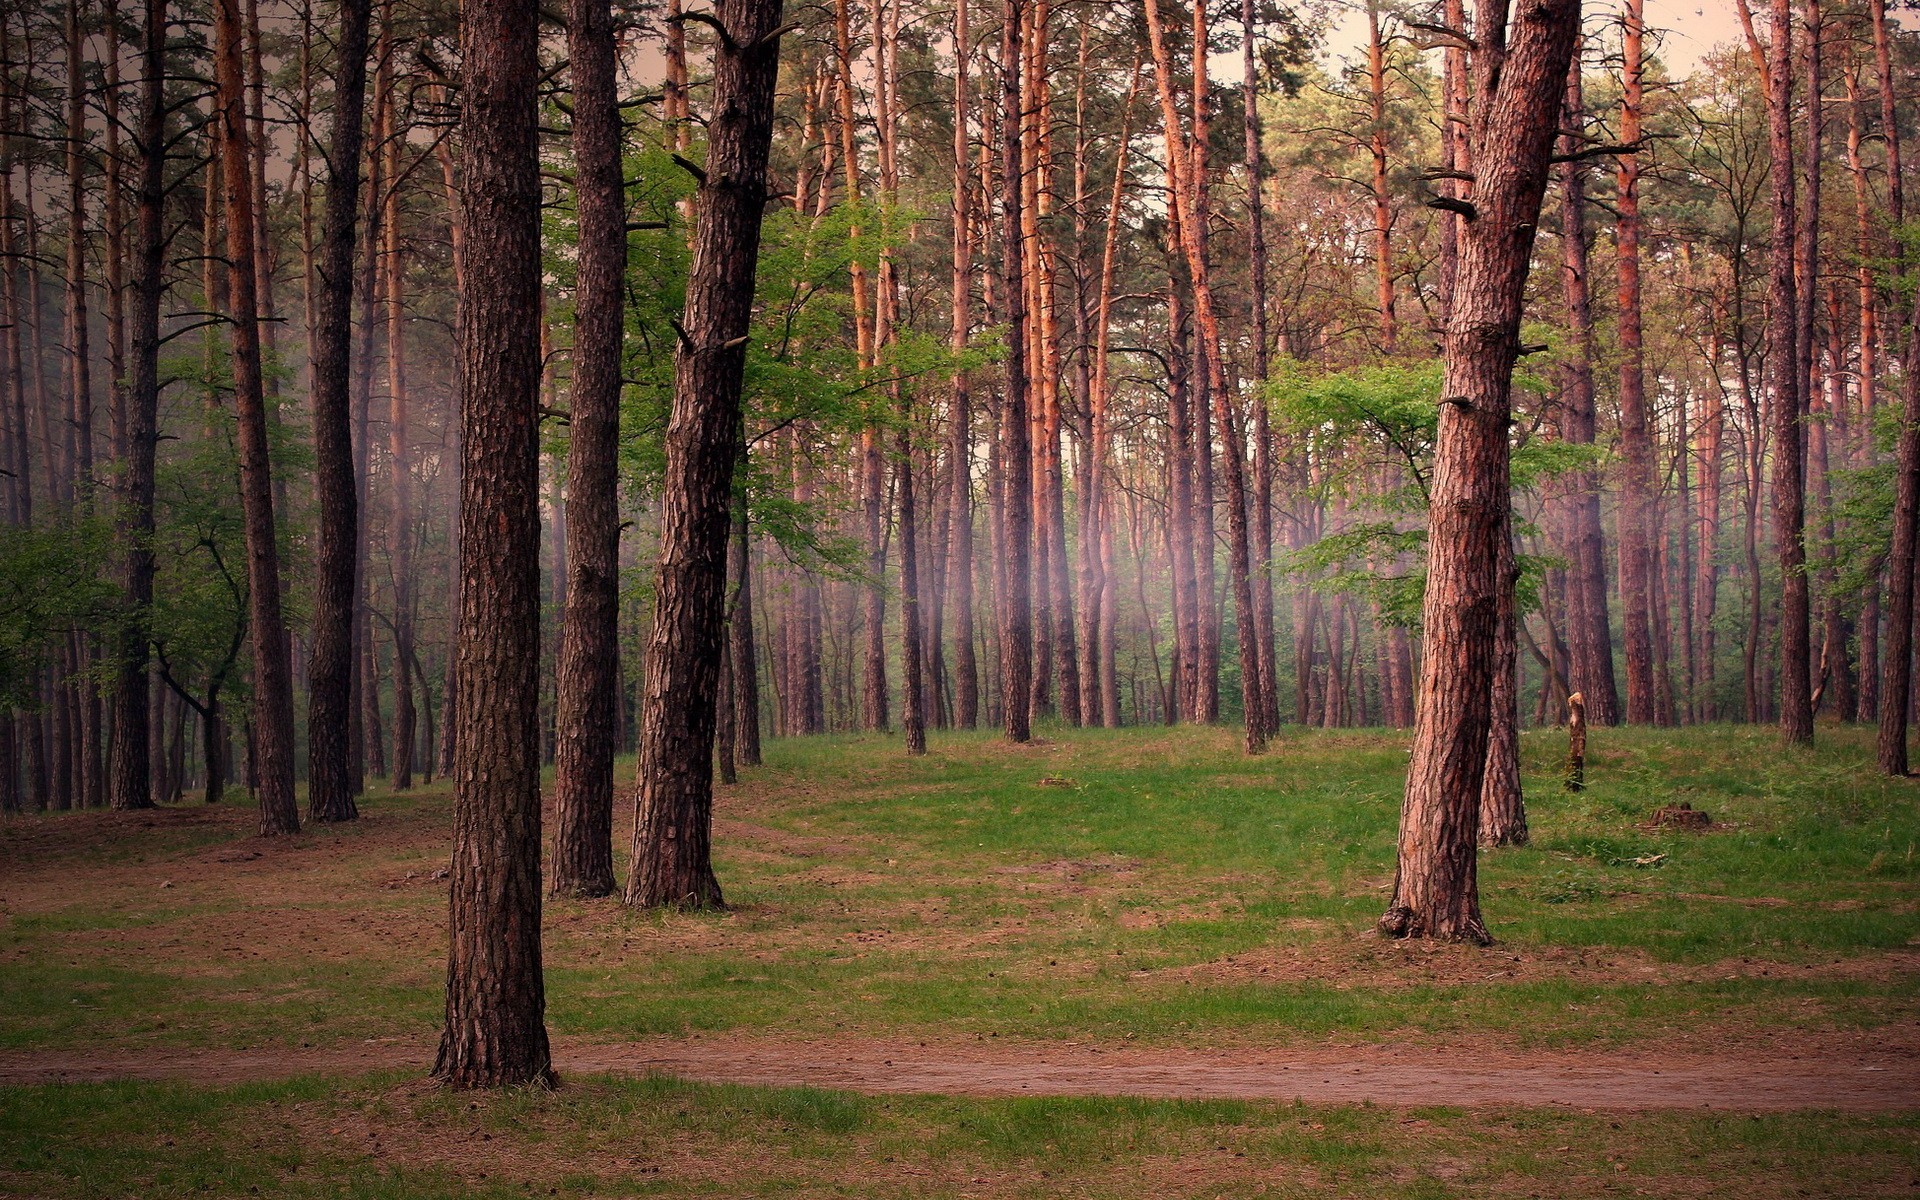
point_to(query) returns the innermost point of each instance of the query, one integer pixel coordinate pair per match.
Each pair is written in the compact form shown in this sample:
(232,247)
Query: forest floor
(1107,964)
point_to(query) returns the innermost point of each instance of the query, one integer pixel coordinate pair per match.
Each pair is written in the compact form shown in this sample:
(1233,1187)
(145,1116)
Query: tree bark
(272,679)
(1636,430)
(495,1033)
(130,785)
(589,668)
(330,698)
(960,419)
(1591,634)
(1519,86)
(673,805)
(1786,376)
(1016,537)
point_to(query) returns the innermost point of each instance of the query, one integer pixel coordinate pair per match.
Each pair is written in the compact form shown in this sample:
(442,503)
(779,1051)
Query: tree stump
(1576,743)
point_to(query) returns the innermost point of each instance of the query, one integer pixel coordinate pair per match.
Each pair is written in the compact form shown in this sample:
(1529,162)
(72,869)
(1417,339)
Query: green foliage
(52,584)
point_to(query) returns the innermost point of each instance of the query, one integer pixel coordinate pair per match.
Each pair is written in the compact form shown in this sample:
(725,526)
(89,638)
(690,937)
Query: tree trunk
(330,698)
(589,668)
(1503,810)
(744,662)
(400,462)
(130,785)
(495,1033)
(960,419)
(1016,537)
(1896,656)
(272,680)
(1262,435)
(1636,430)
(1589,629)
(1786,376)
(673,805)
(1519,86)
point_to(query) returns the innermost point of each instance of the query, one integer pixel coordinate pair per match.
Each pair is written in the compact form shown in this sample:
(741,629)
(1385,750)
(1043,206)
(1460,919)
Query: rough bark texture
(495,1033)
(330,700)
(589,668)
(130,781)
(673,805)
(272,675)
(1016,522)
(1786,378)
(1519,89)
(1896,656)
(1636,431)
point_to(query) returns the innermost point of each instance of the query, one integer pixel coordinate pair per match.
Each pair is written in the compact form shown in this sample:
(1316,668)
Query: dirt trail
(1850,1081)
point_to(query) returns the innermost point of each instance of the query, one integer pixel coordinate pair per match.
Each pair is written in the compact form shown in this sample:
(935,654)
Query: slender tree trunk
(742,659)
(495,1033)
(1016,538)
(589,645)
(1636,430)
(673,805)
(1520,86)
(1591,635)
(960,420)
(272,680)
(130,785)
(400,533)
(1263,633)
(330,698)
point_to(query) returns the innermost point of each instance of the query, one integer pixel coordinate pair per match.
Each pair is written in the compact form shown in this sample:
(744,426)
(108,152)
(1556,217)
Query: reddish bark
(1520,84)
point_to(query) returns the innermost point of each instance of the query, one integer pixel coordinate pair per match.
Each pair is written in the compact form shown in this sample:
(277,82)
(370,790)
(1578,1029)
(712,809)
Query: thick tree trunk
(272,679)
(589,668)
(673,805)
(130,785)
(1503,810)
(495,1033)
(1786,376)
(330,698)
(1520,86)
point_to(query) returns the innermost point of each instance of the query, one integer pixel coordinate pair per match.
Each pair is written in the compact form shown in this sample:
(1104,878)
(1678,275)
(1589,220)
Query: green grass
(385,1138)
(1142,884)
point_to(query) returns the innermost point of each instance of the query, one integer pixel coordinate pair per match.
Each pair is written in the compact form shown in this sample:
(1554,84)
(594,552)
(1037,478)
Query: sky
(1686,29)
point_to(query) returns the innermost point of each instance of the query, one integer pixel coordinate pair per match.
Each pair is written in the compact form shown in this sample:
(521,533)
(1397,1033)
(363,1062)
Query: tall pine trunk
(130,761)
(495,1033)
(330,700)
(589,646)
(272,678)
(673,805)
(1519,89)
(1786,376)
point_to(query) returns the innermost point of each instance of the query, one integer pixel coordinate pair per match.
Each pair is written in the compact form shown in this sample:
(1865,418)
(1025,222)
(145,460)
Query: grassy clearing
(1142,884)
(386,1138)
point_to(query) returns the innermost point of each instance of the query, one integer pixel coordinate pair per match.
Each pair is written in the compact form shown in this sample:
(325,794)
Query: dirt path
(1851,1081)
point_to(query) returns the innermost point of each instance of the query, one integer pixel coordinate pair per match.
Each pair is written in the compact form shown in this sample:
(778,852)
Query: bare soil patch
(1880,1074)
